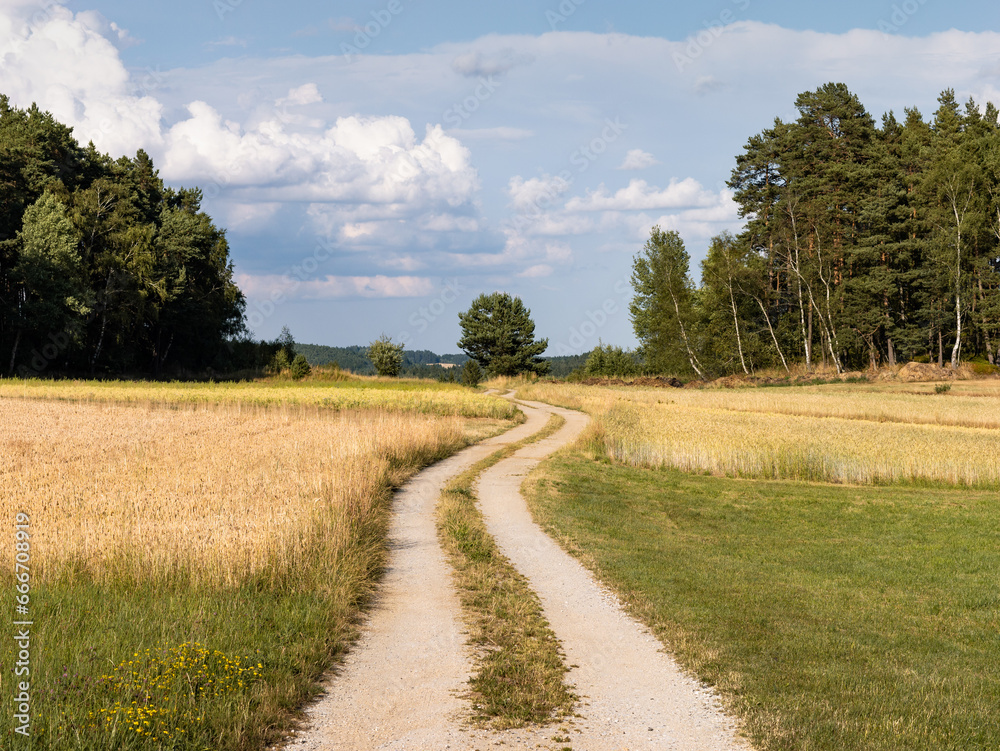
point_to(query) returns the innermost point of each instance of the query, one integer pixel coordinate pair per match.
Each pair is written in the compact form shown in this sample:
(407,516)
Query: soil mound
(665,382)
(922,371)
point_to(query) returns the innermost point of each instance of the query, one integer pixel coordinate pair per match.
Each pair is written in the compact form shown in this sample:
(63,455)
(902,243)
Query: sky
(377,165)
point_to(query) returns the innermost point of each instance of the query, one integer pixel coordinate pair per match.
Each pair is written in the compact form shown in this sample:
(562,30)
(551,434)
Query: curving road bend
(400,686)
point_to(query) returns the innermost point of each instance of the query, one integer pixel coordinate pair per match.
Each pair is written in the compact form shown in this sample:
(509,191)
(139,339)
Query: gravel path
(400,686)
(634,696)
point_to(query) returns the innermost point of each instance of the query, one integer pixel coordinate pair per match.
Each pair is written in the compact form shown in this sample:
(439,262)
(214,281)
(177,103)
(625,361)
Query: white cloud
(637,159)
(307,93)
(534,194)
(335,287)
(66,64)
(639,195)
(358,160)
(537,271)
(247,217)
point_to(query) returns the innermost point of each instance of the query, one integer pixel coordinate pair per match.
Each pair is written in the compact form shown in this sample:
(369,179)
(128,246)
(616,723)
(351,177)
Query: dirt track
(400,686)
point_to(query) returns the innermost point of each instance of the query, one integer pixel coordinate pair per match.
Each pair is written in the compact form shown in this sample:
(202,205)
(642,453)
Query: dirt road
(400,686)
(633,694)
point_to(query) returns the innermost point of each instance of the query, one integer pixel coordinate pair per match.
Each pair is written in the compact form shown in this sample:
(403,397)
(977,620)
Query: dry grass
(224,492)
(841,433)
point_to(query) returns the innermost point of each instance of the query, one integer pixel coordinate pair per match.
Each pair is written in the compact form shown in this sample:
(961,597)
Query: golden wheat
(357,393)
(223,491)
(849,434)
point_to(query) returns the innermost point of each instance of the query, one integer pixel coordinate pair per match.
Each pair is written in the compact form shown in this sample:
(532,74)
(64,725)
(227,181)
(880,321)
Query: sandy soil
(401,685)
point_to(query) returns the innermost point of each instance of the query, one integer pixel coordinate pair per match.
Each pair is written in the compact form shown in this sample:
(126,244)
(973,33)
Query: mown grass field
(199,554)
(842,614)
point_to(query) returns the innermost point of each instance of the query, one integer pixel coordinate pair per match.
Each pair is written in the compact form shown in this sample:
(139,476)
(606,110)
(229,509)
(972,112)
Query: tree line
(863,245)
(104,269)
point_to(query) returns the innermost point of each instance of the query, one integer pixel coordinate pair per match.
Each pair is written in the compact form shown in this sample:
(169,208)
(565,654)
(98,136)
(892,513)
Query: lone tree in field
(386,356)
(498,333)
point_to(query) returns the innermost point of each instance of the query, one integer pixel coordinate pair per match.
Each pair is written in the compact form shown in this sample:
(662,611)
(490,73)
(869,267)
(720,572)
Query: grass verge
(828,617)
(520,677)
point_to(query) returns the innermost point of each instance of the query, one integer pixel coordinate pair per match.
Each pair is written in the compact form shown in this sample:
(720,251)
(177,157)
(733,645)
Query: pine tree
(497,332)
(386,356)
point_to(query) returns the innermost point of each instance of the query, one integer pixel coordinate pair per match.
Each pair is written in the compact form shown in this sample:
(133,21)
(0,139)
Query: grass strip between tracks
(520,671)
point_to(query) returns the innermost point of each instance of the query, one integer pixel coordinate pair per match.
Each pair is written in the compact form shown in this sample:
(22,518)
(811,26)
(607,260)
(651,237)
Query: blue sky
(379,164)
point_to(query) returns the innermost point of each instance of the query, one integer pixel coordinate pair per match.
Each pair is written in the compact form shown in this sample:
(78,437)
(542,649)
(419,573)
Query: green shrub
(980,367)
(608,360)
(472,374)
(386,356)
(279,363)
(300,367)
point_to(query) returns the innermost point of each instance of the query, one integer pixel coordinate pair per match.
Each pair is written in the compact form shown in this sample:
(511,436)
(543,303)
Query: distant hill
(419,363)
(415,362)
(560,367)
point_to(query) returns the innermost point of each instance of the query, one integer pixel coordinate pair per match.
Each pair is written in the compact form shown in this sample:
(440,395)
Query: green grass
(520,669)
(828,617)
(92,681)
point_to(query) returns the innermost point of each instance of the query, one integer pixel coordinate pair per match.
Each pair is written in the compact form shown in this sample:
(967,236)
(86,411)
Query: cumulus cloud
(358,160)
(637,159)
(300,96)
(66,64)
(335,287)
(534,194)
(639,195)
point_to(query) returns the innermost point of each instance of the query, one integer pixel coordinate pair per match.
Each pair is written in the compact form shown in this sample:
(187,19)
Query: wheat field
(221,491)
(355,393)
(840,433)
(200,553)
